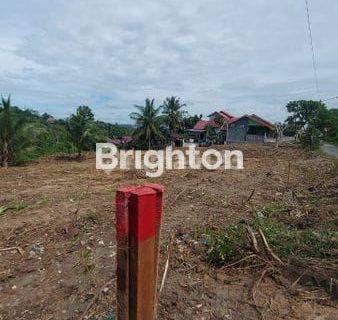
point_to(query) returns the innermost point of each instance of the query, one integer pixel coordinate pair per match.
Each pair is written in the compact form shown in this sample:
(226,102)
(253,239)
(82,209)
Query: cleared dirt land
(60,215)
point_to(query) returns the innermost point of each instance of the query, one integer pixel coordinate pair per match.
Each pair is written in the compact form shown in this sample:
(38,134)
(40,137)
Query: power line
(312,47)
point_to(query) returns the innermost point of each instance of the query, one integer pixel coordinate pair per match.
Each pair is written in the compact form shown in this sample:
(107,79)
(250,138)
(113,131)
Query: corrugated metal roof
(257,119)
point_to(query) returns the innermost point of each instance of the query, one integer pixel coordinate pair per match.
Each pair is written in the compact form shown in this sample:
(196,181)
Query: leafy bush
(25,135)
(310,138)
(315,119)
(3,210)
(19,206)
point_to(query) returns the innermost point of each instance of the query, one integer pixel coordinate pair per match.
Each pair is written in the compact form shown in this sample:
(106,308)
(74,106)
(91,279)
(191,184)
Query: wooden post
(138,220)
(122,252)
(158,218)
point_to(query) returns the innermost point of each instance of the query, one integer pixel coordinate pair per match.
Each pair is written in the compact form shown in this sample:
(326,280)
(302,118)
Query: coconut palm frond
(173,115)
(148,122)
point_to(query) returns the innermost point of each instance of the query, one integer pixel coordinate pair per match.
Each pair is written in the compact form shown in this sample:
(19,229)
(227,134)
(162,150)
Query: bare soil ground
(61,216)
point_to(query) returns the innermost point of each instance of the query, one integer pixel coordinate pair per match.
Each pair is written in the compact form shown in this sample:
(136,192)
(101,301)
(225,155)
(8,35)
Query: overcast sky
(244,56)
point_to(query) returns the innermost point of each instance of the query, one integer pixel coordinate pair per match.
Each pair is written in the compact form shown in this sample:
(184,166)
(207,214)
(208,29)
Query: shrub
(310,138)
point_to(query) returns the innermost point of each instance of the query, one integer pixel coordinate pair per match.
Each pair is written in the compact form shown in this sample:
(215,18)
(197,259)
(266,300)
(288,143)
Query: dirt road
(330,150)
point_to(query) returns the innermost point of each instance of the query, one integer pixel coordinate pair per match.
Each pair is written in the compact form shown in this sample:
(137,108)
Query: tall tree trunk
(5,155)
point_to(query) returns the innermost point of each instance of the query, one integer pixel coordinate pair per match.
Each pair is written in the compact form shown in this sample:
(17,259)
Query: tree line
(311,121)
(27,135)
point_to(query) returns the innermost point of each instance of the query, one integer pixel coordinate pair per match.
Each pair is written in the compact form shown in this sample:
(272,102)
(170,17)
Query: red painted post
(122,252)
(138,220)
(158,218)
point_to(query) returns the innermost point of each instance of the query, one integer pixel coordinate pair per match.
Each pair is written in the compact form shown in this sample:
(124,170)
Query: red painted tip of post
(138,220)
(142,214)
(122,217)
(159,201)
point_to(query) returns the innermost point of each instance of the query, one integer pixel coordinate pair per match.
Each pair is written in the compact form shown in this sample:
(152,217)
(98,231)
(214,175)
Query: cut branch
(266,244)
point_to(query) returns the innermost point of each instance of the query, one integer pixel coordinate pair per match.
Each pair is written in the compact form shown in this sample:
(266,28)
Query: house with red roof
(228,128)
(250,128)
(199,133)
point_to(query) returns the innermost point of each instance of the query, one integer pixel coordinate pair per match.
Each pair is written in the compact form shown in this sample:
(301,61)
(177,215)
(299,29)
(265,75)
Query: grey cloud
(246,56)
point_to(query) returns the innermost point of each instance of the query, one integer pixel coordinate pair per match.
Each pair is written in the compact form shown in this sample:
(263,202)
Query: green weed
(42,202)
(87,259)
(226,245)
(19,206)
(3,209)
(91,217)
(232,244)
(79,196)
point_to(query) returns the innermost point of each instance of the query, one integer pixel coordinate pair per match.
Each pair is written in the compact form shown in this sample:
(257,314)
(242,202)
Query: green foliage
(232,244)
(19,206)
(173,114)
(25,135)
(290,241)
(278,236)
(310,138)
(13,136)
(190,121)
(114,130)
(46,139)
(80,127)
(211,133)
(78,196)
(331,130)
(30,136)
(86,259)
(227,245)
(149,125)
(16,207)
(314,120)
(3,210)
(303,113)
(271,208)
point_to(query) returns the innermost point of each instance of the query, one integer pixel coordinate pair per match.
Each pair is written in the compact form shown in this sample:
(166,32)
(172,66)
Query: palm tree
(148,122)
(6,130)
(17,132)
(173,114)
